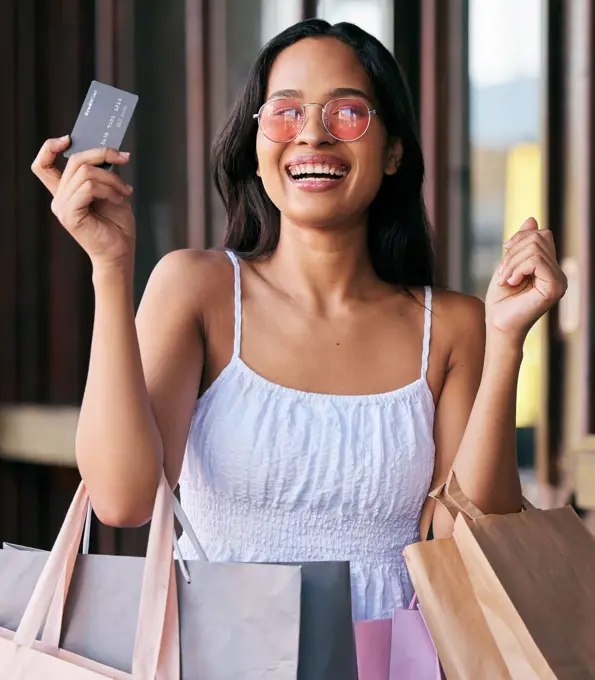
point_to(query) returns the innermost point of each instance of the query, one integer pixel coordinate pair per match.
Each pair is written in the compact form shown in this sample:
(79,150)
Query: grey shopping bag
(327,646)
(237,621)
(156,651)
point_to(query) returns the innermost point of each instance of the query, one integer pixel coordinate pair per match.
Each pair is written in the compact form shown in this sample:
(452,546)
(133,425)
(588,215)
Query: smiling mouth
(317,171)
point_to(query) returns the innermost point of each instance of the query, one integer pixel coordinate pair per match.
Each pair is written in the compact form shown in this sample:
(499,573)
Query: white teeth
(318,169)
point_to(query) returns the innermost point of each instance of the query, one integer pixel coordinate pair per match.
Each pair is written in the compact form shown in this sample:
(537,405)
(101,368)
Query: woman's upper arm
(169,326)
(466,325)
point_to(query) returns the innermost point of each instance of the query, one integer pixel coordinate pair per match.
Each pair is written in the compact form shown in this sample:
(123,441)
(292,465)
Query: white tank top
(273,474)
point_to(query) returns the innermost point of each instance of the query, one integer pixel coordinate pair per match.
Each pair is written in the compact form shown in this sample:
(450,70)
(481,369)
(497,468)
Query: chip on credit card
(103,119)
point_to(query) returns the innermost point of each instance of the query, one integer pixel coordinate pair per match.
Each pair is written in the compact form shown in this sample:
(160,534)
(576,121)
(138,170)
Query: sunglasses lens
(347,119)
(281,119)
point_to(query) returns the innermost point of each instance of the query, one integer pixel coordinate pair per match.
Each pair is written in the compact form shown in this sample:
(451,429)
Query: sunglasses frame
(323,108)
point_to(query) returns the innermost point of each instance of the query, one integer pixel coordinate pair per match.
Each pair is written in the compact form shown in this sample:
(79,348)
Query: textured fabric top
(273,474)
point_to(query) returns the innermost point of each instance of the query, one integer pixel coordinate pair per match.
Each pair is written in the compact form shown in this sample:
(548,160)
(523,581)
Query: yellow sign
(523,200)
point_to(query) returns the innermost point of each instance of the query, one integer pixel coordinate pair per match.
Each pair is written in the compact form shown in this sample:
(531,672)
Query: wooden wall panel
(550,444)
(47,66)
(444,116)
(407,43)
(8,190)
(577,217)
(33,502)
(70,70)
(30,202)
(197,124)
(45,297)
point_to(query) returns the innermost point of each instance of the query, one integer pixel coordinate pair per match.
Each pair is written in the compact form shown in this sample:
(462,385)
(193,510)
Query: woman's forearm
(118,445)
(486,461)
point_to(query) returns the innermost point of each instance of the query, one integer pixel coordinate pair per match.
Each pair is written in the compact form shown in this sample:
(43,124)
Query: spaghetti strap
(237,304)
(427,332)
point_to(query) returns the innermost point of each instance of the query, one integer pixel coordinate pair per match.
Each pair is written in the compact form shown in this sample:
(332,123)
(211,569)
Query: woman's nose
(314,132)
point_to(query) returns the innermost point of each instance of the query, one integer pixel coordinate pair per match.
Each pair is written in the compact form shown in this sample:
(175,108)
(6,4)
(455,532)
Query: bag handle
(169,654)
(179,513)
(156,649)
(40,601)
(158,587)
(451,497)
(52,631)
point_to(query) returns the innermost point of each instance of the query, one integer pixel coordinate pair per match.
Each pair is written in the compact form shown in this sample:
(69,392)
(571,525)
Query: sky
(505,40)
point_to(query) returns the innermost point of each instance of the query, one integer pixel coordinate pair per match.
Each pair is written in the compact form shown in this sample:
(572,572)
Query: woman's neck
(322,267)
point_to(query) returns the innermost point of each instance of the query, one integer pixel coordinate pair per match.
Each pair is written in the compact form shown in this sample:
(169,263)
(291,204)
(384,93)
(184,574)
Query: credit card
(103,119)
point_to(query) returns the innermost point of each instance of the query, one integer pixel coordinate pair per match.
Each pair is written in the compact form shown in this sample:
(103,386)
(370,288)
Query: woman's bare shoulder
(450,307)
(459,320)
(457,306)
(193,275)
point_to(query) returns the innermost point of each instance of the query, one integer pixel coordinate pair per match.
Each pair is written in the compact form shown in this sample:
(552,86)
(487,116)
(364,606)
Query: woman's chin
(328,219)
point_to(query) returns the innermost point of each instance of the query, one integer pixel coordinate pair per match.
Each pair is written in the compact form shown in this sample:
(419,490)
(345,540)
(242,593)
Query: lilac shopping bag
(396,649)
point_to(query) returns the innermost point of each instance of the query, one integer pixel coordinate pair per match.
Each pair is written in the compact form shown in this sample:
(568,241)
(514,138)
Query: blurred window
(374,16)
(277,16)
(506,91)
(506,71)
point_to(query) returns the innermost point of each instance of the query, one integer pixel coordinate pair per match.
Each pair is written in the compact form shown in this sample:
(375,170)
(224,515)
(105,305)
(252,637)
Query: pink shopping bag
(372,645)
(396,649)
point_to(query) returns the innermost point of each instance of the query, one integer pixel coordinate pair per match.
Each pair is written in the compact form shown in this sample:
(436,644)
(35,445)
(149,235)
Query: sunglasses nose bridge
(320,125)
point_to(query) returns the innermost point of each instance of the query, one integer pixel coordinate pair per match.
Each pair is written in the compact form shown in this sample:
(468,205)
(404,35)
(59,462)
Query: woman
(336,387)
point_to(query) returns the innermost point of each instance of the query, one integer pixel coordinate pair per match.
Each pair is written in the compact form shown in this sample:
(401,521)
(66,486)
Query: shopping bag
(396,649)
(466,648)
(520,589)
(413,653)
(238,621)
(372,643)
(533,574)
(156,646)
(326,646)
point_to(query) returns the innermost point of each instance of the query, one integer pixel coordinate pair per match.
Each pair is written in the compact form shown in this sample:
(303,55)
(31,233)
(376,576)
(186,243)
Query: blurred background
(503,89)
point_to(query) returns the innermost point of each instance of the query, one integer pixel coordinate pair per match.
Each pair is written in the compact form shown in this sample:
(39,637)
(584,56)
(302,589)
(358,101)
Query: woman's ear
(257,170)
(393,156)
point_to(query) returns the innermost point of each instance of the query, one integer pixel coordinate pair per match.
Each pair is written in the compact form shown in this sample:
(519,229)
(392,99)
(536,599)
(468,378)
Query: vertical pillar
(444,117)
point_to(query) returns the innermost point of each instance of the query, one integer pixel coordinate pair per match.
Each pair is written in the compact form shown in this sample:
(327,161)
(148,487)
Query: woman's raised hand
(90,202)
(527,284)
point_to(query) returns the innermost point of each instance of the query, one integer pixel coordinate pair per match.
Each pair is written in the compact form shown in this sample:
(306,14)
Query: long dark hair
(399,239)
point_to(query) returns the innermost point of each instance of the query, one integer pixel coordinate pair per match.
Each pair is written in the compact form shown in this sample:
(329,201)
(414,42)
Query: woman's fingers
(93,157)
(522,251)
(532,235)
(73,211)
(94,174)
(549,279)
(43,165)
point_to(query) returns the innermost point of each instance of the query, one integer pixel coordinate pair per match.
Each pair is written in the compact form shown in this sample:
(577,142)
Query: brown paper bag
(465,645)
(532,576)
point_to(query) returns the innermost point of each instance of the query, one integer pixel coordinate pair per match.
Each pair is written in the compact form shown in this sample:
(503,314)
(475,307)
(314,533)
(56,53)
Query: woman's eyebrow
(338,92)
(349,92)
(293,94)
